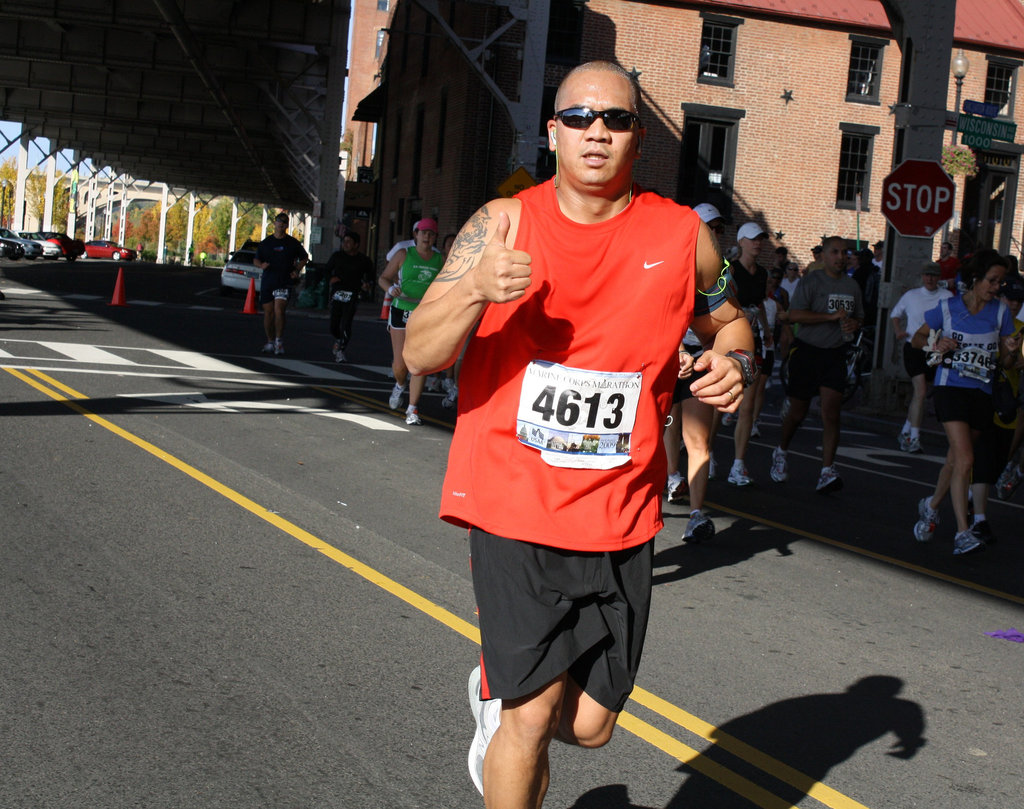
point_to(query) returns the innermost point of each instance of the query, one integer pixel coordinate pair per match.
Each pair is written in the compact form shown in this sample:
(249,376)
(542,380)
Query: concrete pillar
(330,183)
(51,176)
(161,248)
(108,221)
(234,226)
(90,208)
(189,229)
(122,222)
(19,186)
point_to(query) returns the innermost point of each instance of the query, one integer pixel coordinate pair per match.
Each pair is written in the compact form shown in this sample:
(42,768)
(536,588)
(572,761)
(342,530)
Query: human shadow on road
(742,540)
(785,748)
(804,738)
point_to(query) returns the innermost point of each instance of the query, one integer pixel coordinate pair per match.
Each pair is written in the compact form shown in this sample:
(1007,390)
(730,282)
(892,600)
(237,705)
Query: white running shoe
(487,714)
(829,480)
(727,419)
(412,416)
(780,467)
(755,430)
(268,347)
(278,347)
(924,528)
(339,356)
(699,527)
(396,396)
(965,542)
(903,441)
(738,475)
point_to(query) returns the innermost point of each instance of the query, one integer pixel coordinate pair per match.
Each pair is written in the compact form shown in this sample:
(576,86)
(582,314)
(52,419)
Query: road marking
(85,353)
(643,730)
(309,369)
(20,291)
(201,362)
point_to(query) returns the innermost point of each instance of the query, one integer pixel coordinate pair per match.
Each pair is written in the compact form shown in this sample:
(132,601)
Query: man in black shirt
(350,272)
(281,257)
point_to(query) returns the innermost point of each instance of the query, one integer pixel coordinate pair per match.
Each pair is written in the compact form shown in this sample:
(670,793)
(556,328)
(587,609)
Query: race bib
(972,362)
(281,294)
(838,302)
(341,296)
(578,419)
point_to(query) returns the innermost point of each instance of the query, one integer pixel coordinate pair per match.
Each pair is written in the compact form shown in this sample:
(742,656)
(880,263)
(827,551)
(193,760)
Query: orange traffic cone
(250,299)
(118,299)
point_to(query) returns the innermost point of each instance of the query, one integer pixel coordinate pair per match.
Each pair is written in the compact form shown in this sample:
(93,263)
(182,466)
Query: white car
(238,270)
(50,249)
(32,248)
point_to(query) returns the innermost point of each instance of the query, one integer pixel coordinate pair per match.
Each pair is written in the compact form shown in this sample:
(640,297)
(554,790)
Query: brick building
(780,111)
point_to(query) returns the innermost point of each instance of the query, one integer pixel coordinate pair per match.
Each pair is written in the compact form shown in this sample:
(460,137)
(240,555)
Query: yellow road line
(657,738)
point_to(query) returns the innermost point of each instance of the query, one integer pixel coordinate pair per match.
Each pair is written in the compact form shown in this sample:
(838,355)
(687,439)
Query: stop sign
(917,198)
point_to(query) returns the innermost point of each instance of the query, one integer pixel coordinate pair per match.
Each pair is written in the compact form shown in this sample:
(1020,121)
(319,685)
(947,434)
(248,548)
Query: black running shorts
(969,405)
(915,362)
(397,318)
(812,368)
(545,611)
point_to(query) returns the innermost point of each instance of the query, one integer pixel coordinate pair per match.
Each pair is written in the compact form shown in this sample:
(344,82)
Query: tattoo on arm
(469,244)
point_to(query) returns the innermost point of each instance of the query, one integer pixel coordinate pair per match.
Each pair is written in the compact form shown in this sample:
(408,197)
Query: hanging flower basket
(959,160)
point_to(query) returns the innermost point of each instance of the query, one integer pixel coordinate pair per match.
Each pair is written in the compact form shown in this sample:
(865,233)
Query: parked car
(32,248)
(9,248)
(70,248)
(50,249)
(103,248)
(238,270)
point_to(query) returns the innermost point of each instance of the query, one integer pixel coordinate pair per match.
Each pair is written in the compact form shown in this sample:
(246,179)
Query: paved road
(227,587)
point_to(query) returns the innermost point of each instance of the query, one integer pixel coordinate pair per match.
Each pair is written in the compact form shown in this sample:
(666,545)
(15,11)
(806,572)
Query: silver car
(238,270)
(50,249)
(32,249)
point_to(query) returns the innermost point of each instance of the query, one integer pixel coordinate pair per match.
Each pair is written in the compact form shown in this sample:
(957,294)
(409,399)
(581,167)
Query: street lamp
(960,67)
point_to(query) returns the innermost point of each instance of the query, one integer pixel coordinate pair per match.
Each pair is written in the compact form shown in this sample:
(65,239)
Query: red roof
(988,25)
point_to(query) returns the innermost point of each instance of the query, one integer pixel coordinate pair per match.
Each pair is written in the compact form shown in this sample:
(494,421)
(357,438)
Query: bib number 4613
(569,406)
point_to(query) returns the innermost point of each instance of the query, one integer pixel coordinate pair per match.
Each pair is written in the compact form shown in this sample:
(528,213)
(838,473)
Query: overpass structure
(240,98)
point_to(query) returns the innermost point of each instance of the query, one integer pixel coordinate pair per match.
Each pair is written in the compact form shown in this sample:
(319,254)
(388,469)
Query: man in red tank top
(580,291)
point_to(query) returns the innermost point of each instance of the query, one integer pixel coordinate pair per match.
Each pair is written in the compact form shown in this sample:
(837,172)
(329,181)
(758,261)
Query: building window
(380,44)
(865,72)
(707,161)
(442,121)
(717,61)
(382,5)
(565,32)
(855,165)
(1001,84)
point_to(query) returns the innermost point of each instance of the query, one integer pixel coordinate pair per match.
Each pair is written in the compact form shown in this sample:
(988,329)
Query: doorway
(986,216)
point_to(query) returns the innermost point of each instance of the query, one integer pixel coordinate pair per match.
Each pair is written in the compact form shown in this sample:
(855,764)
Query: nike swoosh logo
(655,264)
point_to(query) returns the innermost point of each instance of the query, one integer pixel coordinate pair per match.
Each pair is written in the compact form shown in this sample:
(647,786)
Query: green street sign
(979,131)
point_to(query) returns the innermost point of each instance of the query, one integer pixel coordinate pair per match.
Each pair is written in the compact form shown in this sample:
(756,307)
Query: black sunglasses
(583,117)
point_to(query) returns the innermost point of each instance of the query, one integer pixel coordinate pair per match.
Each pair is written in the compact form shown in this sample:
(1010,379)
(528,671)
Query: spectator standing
(971,341)
(349,273)
(281,257)
(828,308)
(561,278)
(406,278)
(950,265)
(907,316)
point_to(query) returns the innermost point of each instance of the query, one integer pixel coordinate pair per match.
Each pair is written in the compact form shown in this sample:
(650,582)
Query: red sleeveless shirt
(614,300)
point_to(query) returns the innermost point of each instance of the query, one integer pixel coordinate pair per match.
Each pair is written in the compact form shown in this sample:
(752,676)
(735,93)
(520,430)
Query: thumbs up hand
(503,273)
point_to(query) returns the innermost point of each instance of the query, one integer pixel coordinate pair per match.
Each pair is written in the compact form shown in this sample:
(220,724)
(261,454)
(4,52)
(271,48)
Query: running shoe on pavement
(983,531)
(780,467)
(679,493)
(339,356)
(755,430)
(1009,480)
(412,416)
(924,528)
(699,527)
(829,480)
(268,347)
(487,714)
(278,347)
(396,396)
(904,442)
(914,445)
(738,474)
(967,542)
(673,481)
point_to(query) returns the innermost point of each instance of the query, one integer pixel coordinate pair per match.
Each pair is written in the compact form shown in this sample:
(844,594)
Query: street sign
(980,132)
(516,182)
(981,108)
(917,198)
